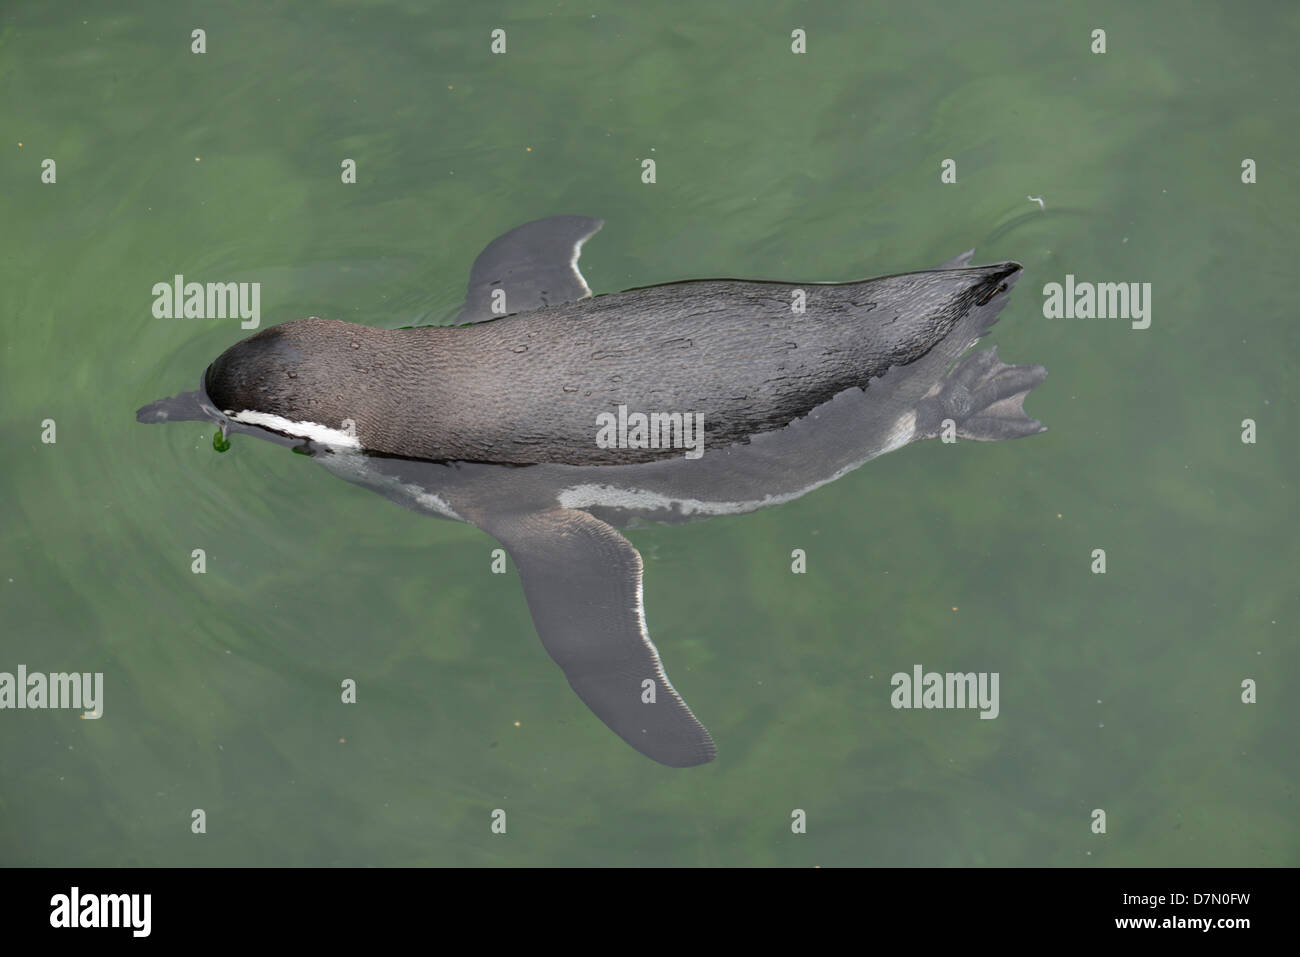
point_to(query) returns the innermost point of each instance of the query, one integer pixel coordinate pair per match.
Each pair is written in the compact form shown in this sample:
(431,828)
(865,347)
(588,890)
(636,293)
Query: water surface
(1118,691)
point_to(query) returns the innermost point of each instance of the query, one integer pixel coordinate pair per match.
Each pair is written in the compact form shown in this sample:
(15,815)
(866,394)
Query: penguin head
(257,374)
(286,379)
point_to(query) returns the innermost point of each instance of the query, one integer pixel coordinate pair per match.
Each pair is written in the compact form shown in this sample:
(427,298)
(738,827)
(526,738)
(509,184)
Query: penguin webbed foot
(985,398)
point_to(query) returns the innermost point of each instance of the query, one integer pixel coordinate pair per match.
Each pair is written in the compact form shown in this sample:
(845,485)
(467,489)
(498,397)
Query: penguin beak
(186,407)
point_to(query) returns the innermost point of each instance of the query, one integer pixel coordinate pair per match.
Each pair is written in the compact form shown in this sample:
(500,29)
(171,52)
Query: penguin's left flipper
(532,266)
(583,584)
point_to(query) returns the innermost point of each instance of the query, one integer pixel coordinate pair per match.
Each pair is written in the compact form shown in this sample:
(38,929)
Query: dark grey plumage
(494,423)
(526,389)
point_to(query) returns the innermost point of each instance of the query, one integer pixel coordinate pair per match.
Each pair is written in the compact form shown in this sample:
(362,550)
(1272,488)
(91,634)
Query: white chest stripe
(307,430)
(645,500)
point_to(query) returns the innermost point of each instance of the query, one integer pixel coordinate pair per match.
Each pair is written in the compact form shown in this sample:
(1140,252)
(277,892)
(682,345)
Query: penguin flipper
(582,580)
(531,266)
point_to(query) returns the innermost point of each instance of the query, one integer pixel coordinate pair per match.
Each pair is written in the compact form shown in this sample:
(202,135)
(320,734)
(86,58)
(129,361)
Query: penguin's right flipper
(583,584)
(531,266)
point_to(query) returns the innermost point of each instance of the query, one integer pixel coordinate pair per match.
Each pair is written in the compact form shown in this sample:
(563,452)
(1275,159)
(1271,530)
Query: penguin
(551,419)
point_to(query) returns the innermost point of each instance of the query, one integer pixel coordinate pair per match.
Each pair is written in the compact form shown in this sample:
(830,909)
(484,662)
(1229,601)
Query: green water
(1119,691)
